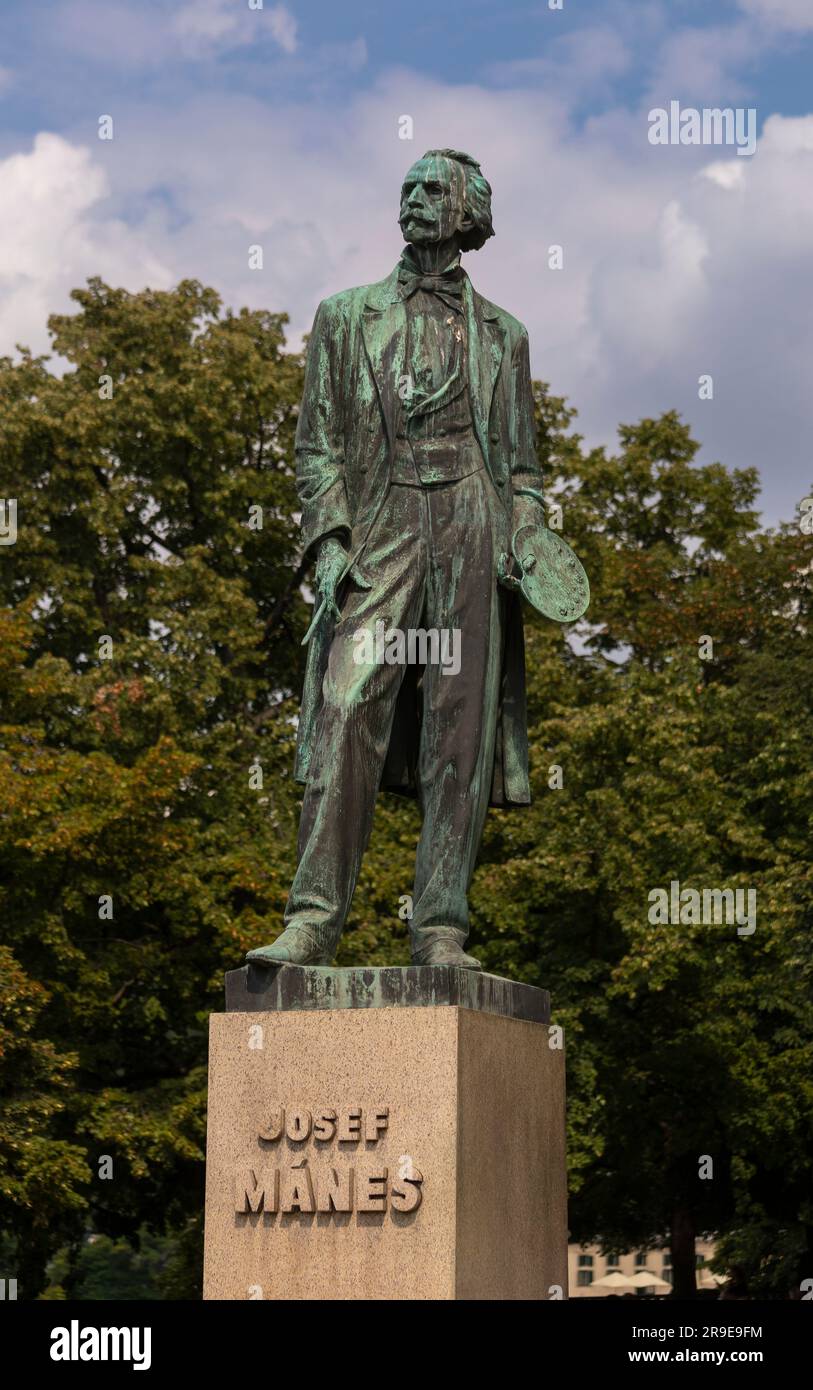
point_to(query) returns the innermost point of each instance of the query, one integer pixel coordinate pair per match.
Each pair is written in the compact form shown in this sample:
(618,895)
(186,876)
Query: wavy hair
(476,197)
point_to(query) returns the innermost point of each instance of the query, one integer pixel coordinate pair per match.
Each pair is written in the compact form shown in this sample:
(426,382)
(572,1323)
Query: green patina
(421,496)
(296,988)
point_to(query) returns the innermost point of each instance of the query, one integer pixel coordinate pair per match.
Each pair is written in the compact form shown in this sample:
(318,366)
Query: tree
(149,657)
(150,670)
(687,1042)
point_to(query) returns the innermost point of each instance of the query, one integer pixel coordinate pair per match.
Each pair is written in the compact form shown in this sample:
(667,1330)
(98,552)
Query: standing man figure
(416,464)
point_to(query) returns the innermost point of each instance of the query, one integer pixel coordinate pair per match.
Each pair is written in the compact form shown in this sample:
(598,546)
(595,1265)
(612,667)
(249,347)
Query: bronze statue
(421,492)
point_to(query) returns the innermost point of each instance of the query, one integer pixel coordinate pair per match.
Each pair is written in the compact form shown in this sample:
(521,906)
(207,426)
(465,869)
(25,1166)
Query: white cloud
(789,134)
(208,19)
(579,63)
(208,24)
(674,265)
(784,14)
(728,173)
(54,235)
(702,65)
(109,31)
(151,35)
(283,28)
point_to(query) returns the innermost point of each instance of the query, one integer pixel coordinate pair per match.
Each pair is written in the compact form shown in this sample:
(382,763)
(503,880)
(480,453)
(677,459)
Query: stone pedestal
(384,1134)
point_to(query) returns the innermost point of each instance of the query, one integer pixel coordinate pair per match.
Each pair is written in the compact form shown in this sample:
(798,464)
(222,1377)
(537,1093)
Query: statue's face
(432,202)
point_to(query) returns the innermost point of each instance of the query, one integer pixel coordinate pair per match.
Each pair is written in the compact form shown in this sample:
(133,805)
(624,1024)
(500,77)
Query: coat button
(495,438)
(372,427)
(362,468)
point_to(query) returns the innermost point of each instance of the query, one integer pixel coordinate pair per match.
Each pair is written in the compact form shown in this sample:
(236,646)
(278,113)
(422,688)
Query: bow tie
(448,286)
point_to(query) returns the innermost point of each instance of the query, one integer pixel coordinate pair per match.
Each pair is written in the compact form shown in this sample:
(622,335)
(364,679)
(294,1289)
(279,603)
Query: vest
(435,440)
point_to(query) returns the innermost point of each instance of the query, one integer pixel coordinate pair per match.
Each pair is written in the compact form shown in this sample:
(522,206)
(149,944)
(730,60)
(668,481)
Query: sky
(240,123)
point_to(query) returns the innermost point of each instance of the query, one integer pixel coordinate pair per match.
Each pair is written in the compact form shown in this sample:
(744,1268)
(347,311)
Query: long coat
(344,444)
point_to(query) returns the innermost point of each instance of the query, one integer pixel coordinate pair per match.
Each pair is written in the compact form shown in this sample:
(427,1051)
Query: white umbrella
(646,1280)
(616,1280)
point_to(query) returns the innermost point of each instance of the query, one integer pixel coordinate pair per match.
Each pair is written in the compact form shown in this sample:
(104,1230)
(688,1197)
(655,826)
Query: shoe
(293,947)
(444,952)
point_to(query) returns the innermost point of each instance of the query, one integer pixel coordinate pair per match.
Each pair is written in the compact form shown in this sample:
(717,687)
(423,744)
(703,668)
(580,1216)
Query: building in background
(588,1269)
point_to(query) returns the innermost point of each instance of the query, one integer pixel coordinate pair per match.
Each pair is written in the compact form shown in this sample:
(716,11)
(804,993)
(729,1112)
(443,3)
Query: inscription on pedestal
(307,1181)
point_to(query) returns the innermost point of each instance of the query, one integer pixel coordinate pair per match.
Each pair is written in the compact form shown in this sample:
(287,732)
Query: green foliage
(124,767)
(105,1269)
(684,1040)
(124,775)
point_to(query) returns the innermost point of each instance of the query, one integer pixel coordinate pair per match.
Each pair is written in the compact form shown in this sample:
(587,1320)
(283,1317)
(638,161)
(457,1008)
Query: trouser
(431,559)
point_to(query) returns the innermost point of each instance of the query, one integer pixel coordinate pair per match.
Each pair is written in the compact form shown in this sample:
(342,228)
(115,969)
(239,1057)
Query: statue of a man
(416,464)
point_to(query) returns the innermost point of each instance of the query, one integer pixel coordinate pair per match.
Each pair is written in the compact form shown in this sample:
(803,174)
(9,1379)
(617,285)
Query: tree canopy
(152,609)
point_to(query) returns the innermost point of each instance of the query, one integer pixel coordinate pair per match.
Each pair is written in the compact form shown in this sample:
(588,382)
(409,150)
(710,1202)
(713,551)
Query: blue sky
(279,127)
(447,41)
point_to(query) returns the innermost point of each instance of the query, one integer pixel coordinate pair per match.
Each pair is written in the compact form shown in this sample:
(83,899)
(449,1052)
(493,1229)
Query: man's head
(445,196)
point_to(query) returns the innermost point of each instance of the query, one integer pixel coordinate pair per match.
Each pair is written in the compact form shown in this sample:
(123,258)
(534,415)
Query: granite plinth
(254,988)
(379,1153)
(382,1134)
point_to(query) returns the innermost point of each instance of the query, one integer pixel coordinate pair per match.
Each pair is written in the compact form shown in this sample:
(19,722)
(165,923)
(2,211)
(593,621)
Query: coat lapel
(383,328)
(486,347)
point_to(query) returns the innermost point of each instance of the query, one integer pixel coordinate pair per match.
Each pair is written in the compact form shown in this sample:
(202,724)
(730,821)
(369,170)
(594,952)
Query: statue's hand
(330,568)
(504,575)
